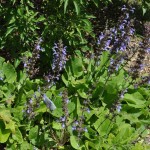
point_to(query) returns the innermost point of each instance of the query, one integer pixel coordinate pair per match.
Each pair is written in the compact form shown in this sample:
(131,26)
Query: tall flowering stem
(59,57)
(117,39)
(58,63)
(31,106)
(30,64)
(65,101)
(64,119)
(144,50)
(78,123)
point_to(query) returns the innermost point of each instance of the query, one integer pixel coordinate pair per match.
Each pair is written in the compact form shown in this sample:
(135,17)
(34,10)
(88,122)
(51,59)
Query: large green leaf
(9,72)
(10,30)
(77,66)
(71,107)
(33,134)
(77,7)
(124,133)
(103,60)
(26,146)
(64,80)
(5,115)
(57,112)
(1,62)
(17,136)
(4,133)
(65,5)
(82,93)
(18,113)
(103,126)
(56,125)
(74,142)
(135,100)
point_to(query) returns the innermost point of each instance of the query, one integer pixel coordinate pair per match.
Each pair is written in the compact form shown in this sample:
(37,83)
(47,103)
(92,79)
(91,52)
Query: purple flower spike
(123,8)
(85,130)
(132,10)
(63,119)
(63,125)
(148,50)
(121,27)
(73,128)
(59,57)
(100,38)
(118,108)
(30,101)
(88,110)
(25,65)
(76,122)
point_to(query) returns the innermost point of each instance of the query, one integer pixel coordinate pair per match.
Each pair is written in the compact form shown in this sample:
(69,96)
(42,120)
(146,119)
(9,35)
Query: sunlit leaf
(77,8)
(65,5)
(9,72)
(74,142)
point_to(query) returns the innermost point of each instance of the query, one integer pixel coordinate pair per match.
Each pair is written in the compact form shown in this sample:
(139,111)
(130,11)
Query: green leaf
(96,2)
(56,125)
(1,61)
(80,34)
(9,72)
(20,11)
(11,126)
(111,88)
(135,100)
(104,59)
(90,16)
(78,107)
(124,133)
(25,146)
(74,142)
(139,146)
(16,63)
(12,20)
(18,113)
(77,8)
(57,112)
(65,5)
(77,65)
(5,115)
(79,82)
(1,94)
(64,80)
(17,136)
(144,10)
(71,107)
(14,1)
(82,93)
(9,30)
(33,134)
(103,126)
(22,78)
(4,133)
(42,108)
(87,25)
(99,88)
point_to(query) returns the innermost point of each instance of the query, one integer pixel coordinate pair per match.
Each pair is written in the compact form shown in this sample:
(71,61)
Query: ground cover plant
(67,79)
